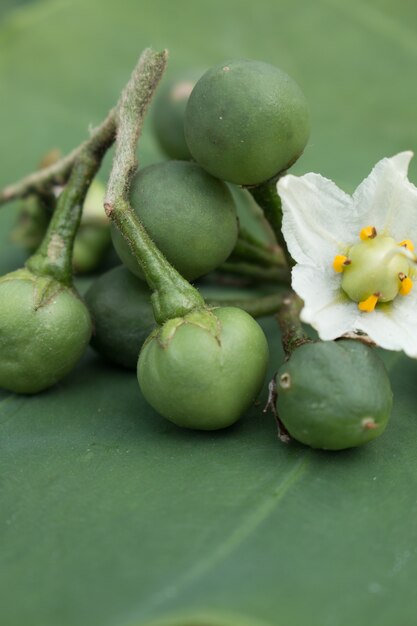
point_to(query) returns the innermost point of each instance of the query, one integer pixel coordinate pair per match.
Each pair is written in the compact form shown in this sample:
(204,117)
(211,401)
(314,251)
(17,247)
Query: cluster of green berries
(240,125)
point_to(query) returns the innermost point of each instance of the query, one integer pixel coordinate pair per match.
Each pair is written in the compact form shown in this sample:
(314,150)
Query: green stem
(279,275)
(173,296)
(267,197)
(257,253)
(257,307)
(292,333)
(54,255)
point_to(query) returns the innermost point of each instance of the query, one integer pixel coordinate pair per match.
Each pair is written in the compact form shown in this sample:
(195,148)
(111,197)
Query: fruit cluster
(210,214)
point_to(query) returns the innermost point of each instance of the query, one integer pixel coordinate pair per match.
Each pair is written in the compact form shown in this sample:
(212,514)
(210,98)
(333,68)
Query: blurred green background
(109,515)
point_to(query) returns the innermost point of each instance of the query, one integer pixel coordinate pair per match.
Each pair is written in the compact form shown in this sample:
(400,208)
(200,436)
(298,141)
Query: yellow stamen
(407,243)
(406,284)
(369,304)
(340,262)
(369,232)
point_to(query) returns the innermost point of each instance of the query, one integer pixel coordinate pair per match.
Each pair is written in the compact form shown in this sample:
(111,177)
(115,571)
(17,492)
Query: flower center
(376,269)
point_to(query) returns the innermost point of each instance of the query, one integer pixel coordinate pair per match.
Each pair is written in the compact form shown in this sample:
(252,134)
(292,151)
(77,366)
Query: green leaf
(109,514)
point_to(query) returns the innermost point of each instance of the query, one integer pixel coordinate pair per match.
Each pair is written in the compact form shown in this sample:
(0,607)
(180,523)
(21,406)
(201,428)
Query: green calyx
(334,395)
(375,267)
(45,288)
(202,318)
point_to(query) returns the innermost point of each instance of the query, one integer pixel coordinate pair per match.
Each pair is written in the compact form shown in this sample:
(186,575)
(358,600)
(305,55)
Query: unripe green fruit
(90,246)
(246,121)
(203,371)
(190,216)
(169,113)
(120,305)
(44,330)
(334,395)
(32,222)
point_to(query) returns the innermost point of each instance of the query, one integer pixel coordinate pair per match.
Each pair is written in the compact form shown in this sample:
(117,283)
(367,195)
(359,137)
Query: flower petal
(393,326)
(318,218)
(387,199)
(326,308)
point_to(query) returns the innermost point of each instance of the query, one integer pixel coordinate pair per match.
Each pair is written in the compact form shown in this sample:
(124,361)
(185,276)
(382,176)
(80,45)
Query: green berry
(169,112)
(203,371)
(334,395)
(44,330)
(120,305)
(32,222)
(246,121)
(190,216)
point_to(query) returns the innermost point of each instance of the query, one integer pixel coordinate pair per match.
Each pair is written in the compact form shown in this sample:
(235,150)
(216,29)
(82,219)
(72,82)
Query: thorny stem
(292,333)
(173,296)
(59,172)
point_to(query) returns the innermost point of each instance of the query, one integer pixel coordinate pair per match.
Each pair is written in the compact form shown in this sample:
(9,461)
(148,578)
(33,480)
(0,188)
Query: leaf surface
(109,514)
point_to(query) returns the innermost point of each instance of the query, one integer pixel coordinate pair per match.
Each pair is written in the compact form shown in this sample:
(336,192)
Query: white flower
(323,226)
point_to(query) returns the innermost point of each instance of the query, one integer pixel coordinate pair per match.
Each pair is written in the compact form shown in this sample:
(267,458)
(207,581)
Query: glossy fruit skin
(168,113)
(190,216)
(45,328)
(204,372)
(120,305)
(246,121)
(328,392)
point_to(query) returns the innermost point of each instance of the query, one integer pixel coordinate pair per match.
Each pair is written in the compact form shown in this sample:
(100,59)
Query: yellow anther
(369,304)
(407,244)
(340,262)
(369,232)
(406,284)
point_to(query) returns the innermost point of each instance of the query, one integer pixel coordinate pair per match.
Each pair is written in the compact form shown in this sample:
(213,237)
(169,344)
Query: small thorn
(272,397)
(271,405)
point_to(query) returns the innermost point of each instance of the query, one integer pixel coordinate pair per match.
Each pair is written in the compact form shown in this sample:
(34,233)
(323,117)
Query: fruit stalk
(257,252)
(256,273)
(173,296)
(54,255)
(292,333)
(257,307)
(267,197)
